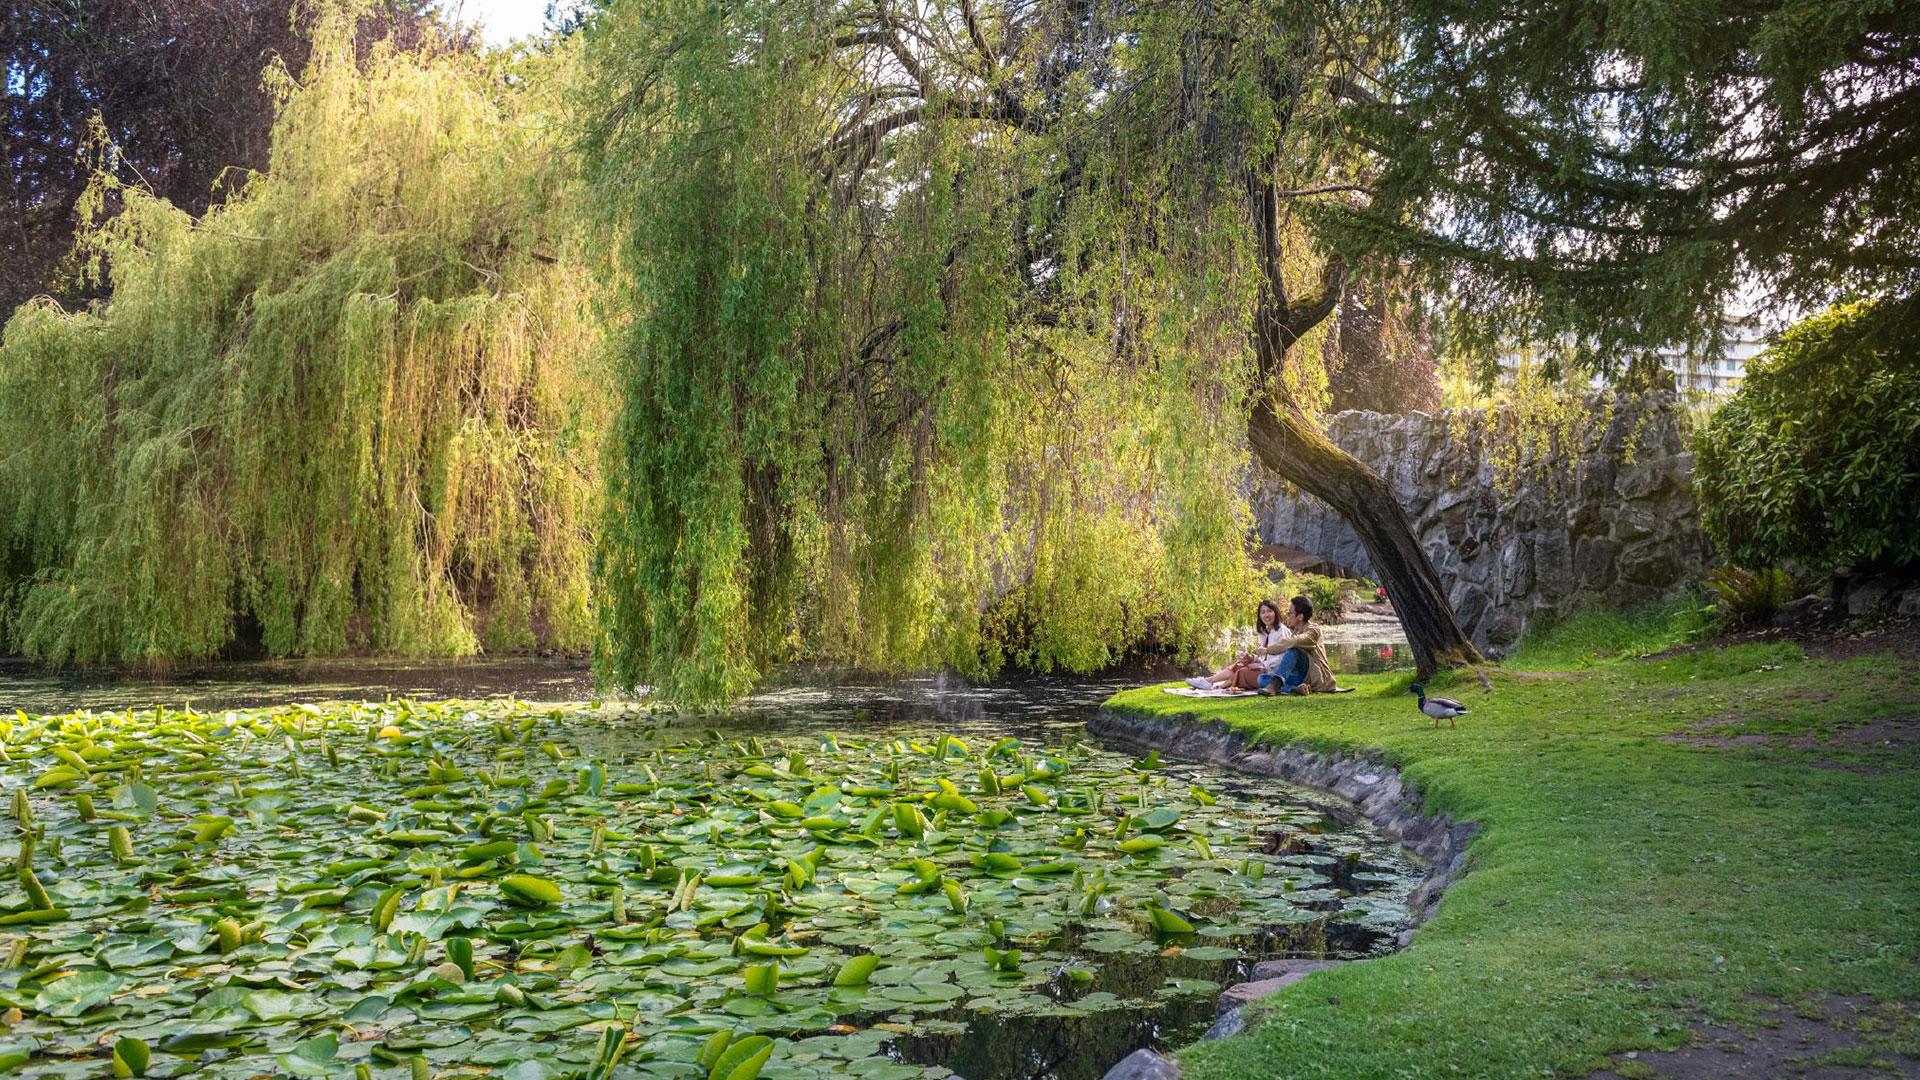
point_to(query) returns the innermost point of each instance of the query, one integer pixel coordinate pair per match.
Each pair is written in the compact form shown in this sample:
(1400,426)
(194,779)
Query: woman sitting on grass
(1269,642)
(1301,667)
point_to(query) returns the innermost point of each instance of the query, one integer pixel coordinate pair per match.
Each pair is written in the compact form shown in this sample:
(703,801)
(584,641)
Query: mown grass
(1625,883)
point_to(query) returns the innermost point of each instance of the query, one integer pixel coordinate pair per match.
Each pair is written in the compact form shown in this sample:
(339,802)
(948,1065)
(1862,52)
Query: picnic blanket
(1188,691)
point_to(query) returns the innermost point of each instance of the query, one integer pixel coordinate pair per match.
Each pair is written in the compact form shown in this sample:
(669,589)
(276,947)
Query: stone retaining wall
(1601,515)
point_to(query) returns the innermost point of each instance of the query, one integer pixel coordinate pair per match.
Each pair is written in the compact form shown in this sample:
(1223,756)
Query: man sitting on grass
(1303,666)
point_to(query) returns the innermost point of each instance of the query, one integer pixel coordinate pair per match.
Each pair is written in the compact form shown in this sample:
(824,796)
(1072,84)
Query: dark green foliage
(177,84)
(1608,172)
(1746,598)
(1327,594)
(1816,460)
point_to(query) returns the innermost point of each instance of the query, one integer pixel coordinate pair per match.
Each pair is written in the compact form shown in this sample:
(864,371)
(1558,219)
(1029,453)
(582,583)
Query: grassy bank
(1721,836)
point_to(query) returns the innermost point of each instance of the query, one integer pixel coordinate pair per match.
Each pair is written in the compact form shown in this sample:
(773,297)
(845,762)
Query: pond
(1361,643)
(836,879)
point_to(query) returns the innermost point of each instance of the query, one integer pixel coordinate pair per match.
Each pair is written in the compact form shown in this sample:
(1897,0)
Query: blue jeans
(1290,672)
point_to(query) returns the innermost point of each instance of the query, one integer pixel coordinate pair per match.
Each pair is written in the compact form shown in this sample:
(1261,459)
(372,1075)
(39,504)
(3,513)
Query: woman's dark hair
(1303,607)
(1261,627)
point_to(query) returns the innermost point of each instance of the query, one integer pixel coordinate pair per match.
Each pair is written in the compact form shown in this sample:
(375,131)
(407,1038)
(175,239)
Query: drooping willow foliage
(349,408)
(940,349)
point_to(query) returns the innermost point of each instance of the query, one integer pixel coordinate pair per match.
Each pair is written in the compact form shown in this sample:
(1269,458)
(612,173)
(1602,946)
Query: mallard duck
(1440,708)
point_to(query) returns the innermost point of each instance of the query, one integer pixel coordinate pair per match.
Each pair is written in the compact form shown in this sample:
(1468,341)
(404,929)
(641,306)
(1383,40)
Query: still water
(1151,998)
(1354,646)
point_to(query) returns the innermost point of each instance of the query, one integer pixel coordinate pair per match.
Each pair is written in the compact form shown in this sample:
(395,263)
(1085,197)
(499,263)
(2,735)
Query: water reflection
(252,683)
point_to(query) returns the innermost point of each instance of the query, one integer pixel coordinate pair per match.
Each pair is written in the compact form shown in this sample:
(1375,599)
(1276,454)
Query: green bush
(1328,594)
(1816,460)
(1749,598)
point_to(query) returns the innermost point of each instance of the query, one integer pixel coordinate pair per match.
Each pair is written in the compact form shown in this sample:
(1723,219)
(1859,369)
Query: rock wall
(1525,522)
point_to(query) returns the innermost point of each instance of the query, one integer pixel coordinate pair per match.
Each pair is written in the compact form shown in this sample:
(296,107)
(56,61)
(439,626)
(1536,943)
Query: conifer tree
(1612,174)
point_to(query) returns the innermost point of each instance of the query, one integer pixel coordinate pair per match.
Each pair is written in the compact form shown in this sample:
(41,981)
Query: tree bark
(1289,443)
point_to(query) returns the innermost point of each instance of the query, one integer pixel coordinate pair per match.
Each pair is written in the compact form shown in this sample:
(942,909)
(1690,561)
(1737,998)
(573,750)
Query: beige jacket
(1319,678)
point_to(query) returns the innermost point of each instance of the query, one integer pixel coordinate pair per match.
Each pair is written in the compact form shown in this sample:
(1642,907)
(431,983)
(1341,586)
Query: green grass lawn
(1625,884)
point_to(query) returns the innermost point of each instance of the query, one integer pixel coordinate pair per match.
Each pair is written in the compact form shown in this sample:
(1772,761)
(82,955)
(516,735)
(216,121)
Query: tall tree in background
(1380,352)
(351,407)
(947,292)
(177,85)
(1609,173)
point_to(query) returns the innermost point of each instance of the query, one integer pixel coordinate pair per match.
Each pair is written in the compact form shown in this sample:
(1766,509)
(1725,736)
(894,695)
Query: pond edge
(1365,780)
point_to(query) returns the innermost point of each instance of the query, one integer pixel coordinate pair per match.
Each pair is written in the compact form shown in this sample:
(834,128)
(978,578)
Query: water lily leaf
(487,852)
(762,979)
(742,1060)
(58,777)
(948,800)
(211,830)
(856,970)
(924,993)
(766,948)
(311,1057)
(131,1057)
(1158,820)
(1002,959)
(72,995)
(386,907)
(528,891)
(1167,922)
(997,862)
(908,821)
(134,953)
(280,1005)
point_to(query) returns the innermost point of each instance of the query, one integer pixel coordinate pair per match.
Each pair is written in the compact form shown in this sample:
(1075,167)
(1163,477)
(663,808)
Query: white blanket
(1188,691)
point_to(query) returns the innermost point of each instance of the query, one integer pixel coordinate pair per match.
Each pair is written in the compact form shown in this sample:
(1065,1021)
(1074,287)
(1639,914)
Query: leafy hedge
(1816,459)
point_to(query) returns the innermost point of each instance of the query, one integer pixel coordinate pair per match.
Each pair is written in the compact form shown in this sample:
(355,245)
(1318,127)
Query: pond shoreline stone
(1375,790)
(1268,977)
(1365,780)
(1144,1065)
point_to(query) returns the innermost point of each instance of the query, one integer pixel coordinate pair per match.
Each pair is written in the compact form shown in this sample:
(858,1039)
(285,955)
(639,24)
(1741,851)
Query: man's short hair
(1303,607)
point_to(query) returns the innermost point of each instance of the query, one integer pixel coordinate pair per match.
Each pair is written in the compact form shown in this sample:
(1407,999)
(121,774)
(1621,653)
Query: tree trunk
(1288,443)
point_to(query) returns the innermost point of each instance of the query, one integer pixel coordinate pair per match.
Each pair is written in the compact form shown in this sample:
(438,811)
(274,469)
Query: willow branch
(978,34)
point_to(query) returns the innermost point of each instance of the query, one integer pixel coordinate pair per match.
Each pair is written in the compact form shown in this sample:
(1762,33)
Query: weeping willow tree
(954,325)
(348,408)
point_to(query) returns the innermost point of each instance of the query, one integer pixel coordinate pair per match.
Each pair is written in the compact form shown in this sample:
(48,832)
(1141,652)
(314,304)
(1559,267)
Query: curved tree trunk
(1289,444)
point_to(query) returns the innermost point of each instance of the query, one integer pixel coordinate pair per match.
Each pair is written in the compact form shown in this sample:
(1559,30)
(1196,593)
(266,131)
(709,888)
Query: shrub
(1329,595)
(1816,460)
(1749,598)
